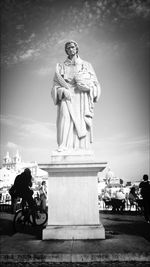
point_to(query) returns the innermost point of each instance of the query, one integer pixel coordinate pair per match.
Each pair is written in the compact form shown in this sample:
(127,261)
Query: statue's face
(71,49)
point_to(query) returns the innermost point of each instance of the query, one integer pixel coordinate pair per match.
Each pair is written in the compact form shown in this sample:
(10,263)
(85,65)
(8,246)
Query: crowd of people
(139,198)
(127,198)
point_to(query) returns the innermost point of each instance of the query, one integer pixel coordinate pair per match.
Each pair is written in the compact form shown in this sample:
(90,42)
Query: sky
(114,37)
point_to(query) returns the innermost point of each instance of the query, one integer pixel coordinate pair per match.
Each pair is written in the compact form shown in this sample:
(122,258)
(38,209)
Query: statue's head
(69,44)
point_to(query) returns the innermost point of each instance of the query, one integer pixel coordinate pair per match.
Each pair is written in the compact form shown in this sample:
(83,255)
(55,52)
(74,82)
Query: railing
(118,205)
(5,206)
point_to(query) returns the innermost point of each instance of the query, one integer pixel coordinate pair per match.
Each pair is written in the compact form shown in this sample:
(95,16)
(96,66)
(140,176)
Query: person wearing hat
(75,90)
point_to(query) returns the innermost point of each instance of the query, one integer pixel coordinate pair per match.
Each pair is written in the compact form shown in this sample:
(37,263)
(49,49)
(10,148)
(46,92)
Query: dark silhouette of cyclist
(23,184)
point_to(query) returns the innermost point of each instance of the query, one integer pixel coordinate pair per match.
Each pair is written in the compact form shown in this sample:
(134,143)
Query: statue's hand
(83,81)
(60,92)
(67,94)
(84,86)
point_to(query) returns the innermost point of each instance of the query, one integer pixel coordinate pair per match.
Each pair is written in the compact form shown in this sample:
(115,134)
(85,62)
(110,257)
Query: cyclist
(22,185)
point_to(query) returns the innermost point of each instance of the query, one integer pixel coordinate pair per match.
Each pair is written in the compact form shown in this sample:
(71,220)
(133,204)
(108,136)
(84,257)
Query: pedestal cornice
(74,166)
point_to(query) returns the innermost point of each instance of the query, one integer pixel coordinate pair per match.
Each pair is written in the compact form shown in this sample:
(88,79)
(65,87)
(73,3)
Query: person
(118,202)
(107,195)
(107,198)
(120,194)
(75,90)
(23,184)
(133,198)
(43,195)
(145,193)
(109,176)
(22,189)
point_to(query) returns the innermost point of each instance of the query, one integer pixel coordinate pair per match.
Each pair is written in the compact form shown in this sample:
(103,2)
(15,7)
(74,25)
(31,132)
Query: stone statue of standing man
(75,90)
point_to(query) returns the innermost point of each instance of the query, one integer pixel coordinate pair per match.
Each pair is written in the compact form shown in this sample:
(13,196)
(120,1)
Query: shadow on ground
(6,228)
(127,223)
(114,224)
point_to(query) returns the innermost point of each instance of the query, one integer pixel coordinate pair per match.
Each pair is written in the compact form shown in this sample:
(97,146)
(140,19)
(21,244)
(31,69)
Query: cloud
(124,140)
(115,148)
(28,128)
(39,154)
(127,156)
(38,130)
(28,54)
(6,120)
(138,141)
(44,71)
(141,9)
(24,55)
(34,139)
(45,23)
(11,145)
(62,41)
(31,37)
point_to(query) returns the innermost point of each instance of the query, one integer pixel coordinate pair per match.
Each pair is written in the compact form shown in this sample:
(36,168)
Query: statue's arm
(57,89)
(59,92)
(90,85)
(54,92)
(83,86)
(96,85)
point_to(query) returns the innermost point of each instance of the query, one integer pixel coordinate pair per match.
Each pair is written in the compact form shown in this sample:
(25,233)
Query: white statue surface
(72,172)
(75,90)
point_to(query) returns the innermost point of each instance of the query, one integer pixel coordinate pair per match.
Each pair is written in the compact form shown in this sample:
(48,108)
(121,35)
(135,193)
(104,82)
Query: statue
(75,90)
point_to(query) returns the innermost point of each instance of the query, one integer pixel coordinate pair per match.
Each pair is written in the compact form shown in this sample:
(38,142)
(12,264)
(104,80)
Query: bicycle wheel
(40,217)
(18,220)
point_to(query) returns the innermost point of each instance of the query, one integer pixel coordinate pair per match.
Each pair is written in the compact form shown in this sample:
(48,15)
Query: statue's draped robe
(74,116)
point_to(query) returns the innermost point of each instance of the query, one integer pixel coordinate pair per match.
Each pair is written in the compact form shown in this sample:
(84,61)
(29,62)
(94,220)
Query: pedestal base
(79,155)
(74,232)
(73,211)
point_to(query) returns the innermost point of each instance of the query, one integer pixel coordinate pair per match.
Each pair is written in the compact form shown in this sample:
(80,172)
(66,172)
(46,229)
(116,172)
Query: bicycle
(25,216)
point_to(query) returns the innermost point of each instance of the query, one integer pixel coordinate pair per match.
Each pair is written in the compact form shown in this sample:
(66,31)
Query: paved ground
(127,243)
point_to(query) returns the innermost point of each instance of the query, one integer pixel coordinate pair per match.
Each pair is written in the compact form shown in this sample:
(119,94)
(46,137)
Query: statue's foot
(61,148)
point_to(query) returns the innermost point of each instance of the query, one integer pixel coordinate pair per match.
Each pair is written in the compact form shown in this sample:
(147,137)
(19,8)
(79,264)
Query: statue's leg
(70,135)
(63,126)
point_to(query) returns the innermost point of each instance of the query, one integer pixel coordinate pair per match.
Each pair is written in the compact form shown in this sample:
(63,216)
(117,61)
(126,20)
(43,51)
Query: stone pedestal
(73,211)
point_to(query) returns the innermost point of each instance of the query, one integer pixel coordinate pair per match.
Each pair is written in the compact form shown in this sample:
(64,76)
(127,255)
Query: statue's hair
(75,43)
